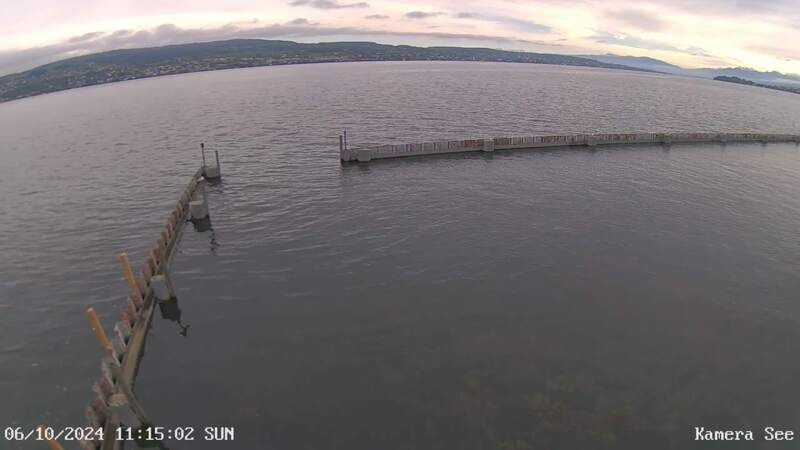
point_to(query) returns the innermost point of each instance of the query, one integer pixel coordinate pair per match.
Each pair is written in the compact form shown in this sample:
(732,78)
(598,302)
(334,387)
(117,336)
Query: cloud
(300,21)
(85,37)
(513,23)
(636,18)
(328,4)
(422,14)
(782,52)
(376,17)
(626,40)
(520,24)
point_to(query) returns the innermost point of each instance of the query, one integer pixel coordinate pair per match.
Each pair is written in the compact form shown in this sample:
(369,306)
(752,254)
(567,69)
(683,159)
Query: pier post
(203,153)
(51,443)
(120,408)
(364,155)
(488,145)
(344,154)
(162,287)
(97,327)
(199,208)
(129,278)
(126,402)
(211,173)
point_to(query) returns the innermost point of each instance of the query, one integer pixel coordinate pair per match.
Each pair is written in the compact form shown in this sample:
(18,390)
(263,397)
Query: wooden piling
(147,273)
(128,272)
(154,257)
(51,443)
(97,327)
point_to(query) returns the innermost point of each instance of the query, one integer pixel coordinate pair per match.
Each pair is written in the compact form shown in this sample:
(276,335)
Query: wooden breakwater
(366,153)
(114,402)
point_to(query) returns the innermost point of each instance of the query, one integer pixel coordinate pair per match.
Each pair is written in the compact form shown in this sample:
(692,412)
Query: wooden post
(203,152)
(52,443)
(97,327)
(128,272)
(132,301)
(156,260)
(345,138)
(216,154)
(133,402)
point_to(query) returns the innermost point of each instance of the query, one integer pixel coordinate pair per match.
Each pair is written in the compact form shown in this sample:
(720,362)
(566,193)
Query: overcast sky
(763,34)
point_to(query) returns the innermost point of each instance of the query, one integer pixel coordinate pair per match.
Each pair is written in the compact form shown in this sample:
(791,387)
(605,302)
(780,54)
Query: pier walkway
(366,153)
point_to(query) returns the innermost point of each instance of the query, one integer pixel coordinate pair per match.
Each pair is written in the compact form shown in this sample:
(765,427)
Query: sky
(762,34)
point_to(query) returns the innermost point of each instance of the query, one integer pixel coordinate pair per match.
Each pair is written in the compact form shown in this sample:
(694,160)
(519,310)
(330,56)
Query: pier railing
(367,153)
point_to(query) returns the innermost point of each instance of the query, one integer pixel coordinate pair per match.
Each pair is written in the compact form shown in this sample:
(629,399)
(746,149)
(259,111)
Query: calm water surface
(566,299)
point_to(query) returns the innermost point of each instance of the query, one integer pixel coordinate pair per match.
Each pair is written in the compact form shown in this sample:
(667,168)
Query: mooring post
(341,149)
(203,152)
(128,272)
(345,138)
(212,172)
(97,327)
(52,443)
(162,287)
(199,208)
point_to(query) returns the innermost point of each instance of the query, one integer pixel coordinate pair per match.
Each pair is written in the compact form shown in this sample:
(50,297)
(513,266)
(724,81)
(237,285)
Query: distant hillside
(738,80)
(642,62)
(119,65)
(773,78)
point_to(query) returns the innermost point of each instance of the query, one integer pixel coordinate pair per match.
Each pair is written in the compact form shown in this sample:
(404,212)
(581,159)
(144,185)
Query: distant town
(129,64)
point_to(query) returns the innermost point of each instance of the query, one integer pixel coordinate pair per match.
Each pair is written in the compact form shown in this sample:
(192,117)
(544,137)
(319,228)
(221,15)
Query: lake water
(564,299)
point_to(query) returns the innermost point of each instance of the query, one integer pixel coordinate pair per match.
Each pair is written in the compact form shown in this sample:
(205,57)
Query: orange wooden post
(53,444)
(97,327)
(128,272)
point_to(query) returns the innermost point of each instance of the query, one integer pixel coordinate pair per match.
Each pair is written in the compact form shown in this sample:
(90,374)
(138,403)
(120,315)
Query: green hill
(128,64)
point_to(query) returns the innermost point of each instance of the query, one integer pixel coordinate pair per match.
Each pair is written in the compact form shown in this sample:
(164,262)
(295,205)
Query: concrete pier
(369,153)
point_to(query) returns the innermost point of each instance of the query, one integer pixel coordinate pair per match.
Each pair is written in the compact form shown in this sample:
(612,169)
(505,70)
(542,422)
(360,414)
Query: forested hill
(128,64)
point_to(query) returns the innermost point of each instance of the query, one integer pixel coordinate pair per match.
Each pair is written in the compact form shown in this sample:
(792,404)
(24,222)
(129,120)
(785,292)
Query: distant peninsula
(130,64)
(738,80)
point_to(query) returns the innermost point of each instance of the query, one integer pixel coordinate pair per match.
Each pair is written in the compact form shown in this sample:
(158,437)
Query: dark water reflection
(544,300)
